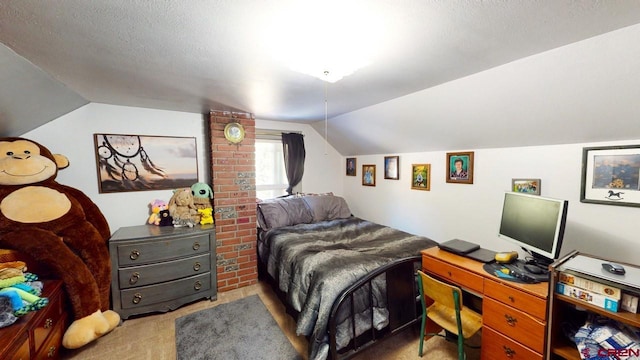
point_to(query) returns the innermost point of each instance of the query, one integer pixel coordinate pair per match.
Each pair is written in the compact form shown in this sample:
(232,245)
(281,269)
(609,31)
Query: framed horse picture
(611,175)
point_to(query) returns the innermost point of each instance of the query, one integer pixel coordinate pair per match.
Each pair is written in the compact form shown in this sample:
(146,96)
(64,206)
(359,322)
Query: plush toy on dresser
(60,227)
(182,208)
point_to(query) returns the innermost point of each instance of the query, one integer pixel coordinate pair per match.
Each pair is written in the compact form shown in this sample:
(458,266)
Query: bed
(348,282)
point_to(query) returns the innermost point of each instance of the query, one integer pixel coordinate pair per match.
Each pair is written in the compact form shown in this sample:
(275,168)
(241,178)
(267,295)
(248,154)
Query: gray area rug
(243,329)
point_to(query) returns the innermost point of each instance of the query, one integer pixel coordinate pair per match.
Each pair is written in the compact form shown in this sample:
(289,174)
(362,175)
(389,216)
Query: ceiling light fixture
(311,37)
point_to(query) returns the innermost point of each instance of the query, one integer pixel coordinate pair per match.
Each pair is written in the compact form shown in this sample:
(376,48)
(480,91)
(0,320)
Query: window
(271,177)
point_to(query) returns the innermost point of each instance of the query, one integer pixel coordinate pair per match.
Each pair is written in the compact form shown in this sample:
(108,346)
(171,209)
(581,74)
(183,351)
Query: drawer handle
(52,352)
(449,272)
(137,297)
(134,255)
(196,245)
(134,278)
(510,320)
(48,324)
(508,351)
(512,299)
(197,266)
(197,285)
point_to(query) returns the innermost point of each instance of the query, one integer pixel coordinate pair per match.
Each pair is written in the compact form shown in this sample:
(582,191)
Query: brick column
(234,201)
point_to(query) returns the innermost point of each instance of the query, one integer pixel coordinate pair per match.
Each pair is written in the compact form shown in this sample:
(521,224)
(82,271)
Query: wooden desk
(514,314)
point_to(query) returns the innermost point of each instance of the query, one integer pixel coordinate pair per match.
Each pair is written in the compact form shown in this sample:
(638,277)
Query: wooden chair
(446,311)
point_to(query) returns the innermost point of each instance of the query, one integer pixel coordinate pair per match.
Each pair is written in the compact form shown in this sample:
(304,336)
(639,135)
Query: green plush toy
(202,195)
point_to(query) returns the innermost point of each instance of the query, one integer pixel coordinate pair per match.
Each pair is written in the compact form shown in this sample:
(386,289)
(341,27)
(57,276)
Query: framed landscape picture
(368,175)
(421,177)
(391,167)
(611,175)
(460,167)
(140,162)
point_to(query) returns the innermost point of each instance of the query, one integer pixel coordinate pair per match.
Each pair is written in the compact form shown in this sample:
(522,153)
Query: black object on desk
(457,246)
(516,272)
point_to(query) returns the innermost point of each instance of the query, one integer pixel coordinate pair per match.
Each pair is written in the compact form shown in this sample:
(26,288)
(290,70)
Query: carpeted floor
(242,329)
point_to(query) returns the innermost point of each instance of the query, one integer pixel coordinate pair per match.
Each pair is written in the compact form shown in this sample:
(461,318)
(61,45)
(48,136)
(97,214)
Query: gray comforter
(314,263)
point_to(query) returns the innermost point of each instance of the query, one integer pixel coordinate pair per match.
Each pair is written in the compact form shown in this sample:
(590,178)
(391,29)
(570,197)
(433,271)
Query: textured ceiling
(199,55)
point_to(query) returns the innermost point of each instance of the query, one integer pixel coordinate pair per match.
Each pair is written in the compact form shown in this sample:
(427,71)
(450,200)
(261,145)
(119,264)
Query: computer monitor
(534,223)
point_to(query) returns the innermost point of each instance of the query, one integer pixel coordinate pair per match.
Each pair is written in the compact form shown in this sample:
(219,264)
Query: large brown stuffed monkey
(60,227)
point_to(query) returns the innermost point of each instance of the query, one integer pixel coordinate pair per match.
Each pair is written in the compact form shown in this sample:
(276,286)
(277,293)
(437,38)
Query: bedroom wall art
(460,167)
(369,175)
(421,177)
(141,162)
(351,166)
(527,186)
(391,167)
(610,175)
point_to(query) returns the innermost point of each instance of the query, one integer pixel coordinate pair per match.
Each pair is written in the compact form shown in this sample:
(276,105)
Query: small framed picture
(421,176)
(391,164)
(460,167)
(351,166)
(527,186)
(611,175)
(369,175)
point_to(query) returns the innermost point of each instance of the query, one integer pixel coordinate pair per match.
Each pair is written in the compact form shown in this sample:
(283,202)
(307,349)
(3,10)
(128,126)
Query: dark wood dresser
(37,335)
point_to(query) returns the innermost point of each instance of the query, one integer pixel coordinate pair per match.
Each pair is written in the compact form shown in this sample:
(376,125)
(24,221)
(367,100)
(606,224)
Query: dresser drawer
(21,353)
(146,252)
(520,300)
(519,326)
(449,272)
(496,346)
(51,316)
(153,294)
(51,348)
(160,272)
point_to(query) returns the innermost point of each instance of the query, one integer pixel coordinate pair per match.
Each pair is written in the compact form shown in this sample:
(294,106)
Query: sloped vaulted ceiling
(453,74)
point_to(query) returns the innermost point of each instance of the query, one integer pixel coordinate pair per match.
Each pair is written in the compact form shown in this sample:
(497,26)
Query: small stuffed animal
(206,216)
(181,206)
(165,218)
(202,195)
(156,205)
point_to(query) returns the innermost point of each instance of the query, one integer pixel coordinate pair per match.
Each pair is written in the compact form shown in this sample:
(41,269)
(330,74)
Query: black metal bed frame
(403,304)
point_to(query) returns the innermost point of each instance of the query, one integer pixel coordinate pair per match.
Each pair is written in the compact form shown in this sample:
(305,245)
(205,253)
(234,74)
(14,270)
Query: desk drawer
(496,346)
(520,300)
(520,327)
(155,273)
(460,277)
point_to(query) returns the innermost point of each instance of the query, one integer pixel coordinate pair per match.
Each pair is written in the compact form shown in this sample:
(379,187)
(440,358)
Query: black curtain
(294,154)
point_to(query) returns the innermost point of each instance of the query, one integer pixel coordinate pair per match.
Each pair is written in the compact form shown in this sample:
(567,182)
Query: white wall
(72,136)
(323,164)
(472,212)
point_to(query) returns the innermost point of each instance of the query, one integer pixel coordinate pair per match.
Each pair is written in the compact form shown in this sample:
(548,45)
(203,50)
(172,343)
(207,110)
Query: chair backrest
(440,292)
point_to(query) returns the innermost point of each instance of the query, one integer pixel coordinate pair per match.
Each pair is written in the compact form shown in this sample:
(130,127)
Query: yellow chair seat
(446,317)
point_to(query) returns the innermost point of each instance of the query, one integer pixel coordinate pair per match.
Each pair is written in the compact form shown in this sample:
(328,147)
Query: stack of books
(591,291)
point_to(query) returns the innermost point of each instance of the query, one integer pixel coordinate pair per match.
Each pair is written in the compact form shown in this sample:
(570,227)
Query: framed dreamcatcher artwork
(141,162)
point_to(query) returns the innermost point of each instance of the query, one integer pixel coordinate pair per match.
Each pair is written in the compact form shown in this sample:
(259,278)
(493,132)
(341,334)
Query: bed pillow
(283,212)
(327,207)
